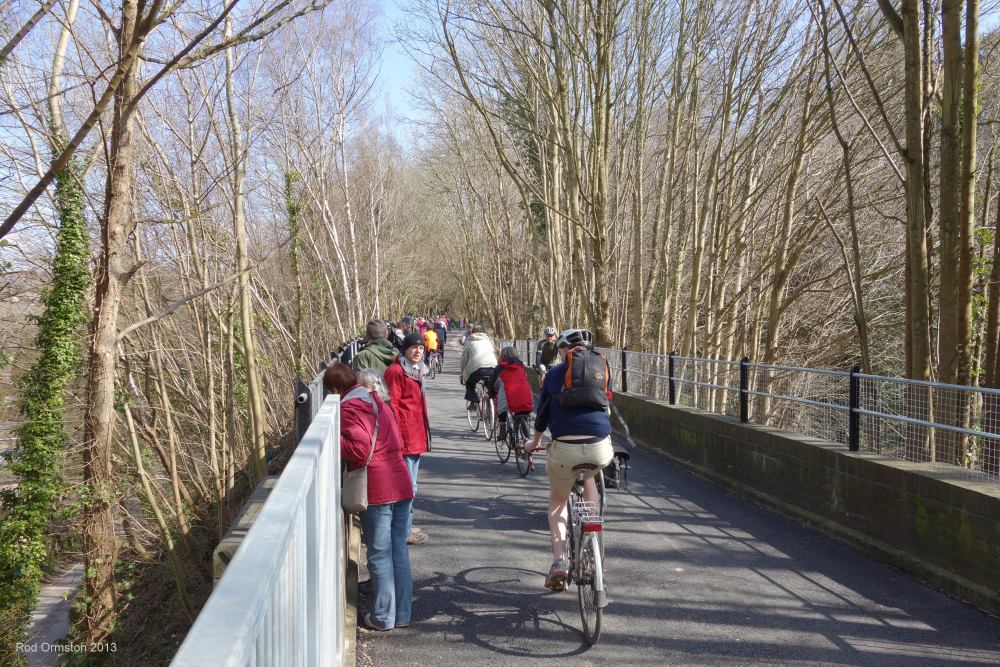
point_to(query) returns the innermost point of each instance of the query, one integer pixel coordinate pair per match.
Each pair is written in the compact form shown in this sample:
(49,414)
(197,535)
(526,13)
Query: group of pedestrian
(384,426)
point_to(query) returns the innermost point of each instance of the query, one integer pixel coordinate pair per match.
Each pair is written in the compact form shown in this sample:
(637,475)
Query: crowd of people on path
(385,426)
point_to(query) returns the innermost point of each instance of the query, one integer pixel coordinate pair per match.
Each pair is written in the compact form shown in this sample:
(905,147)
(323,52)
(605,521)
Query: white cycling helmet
(550,331)
(575,337)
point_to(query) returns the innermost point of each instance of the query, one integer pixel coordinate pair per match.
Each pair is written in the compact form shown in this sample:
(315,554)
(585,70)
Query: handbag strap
(362,394)
(374,434)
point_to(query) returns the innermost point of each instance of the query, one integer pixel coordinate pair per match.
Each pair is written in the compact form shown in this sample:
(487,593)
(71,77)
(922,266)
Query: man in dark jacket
(442,335)
(378,353)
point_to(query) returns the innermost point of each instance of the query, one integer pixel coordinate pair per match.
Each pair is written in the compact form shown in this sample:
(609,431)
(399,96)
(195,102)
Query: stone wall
(924,518)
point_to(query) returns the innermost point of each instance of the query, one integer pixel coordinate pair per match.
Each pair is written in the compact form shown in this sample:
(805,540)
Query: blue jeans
(412,462)
(385,528)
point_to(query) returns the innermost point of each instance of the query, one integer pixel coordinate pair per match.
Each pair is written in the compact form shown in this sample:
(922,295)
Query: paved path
(697,576)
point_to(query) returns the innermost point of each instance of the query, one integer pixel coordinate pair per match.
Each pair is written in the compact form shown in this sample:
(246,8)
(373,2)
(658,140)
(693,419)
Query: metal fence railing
(282,599)
(910,420)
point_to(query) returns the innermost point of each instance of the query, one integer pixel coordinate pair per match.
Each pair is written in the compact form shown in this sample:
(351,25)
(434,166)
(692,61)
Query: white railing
(281,601)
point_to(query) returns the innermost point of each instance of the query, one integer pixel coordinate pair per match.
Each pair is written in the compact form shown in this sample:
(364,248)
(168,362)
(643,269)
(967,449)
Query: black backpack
(586,383)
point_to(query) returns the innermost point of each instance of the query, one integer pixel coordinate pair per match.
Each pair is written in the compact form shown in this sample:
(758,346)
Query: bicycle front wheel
(473,418)
(590,587)
(502,447)
(489,415)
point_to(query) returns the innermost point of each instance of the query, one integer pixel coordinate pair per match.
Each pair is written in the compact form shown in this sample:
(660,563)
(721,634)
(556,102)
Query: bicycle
(434,363)
(487,408)
(586,552)
(485,412)
(513,441)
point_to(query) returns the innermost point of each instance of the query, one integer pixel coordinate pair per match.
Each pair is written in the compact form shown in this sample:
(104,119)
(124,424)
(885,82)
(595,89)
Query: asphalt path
(696,576)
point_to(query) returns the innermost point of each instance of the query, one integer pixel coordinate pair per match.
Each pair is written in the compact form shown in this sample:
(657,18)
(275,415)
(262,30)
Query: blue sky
(397,70)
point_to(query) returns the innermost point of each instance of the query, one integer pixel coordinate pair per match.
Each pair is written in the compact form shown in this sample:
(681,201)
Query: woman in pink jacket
(386,522)
(404,378)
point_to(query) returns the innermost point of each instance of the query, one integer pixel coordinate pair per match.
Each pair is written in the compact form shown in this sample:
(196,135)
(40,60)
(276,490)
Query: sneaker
(471,407)
(416,538)
(369,623)
(557,576)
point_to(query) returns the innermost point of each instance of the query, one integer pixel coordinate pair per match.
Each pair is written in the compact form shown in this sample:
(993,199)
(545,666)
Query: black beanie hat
(411,339)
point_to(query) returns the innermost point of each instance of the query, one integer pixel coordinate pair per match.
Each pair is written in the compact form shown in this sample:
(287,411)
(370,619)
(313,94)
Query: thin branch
(25,29)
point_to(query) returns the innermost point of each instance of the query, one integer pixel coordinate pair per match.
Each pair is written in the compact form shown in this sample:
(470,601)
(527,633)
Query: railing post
(744,390)
(671,387)
(854,402)
(624,370)
(303,409)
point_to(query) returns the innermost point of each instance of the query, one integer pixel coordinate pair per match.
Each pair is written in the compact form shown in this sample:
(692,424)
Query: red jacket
(410,406)
(388,477)
(515,387)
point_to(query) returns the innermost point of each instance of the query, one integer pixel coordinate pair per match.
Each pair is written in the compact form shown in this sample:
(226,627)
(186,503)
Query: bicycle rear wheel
(521,458)
(590,587)
(433,366)
(517,440)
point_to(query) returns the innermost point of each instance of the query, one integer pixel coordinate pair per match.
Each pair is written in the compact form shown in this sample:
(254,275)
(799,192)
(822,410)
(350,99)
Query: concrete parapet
(352,525)
(927,519)
(226,548)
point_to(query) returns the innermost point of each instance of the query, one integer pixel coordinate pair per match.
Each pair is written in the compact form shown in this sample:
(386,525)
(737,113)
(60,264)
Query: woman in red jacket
(404,378)
(385,524)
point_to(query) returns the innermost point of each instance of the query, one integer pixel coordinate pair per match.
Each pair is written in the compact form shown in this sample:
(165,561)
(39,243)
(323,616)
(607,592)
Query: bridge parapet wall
(924,518)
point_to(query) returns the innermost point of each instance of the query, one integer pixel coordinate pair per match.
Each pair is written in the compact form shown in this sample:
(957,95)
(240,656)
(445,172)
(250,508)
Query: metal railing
(282,599)
(911,420)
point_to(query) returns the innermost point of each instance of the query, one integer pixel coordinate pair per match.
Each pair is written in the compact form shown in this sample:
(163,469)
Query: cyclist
(509,385)
(546,352)
(581,430)
(430,344)
(478,360)
(442,333)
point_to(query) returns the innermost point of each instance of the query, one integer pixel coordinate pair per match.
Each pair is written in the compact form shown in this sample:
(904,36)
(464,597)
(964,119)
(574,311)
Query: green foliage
(36,459)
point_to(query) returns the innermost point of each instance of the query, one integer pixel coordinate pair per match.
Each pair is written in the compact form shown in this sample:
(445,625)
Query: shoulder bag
(354,490)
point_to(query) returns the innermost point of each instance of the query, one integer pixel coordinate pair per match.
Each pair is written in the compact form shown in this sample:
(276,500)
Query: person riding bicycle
(430,345)
(442,333)
(546,351)
(478,360)
(575,410)
(509,385)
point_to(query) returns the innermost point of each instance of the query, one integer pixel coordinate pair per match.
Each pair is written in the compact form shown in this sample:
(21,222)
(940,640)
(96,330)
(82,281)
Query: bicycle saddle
(586,466)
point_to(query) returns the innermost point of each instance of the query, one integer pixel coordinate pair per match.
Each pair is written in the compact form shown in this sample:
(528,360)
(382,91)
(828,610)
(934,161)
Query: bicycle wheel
(473,418)
(433,366)
(602,498)
(521,458)
(501,444)
(590,587)
(520,435)
(488,411)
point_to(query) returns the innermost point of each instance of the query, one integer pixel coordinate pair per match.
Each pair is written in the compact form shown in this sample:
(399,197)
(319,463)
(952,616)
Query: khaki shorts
(563,455)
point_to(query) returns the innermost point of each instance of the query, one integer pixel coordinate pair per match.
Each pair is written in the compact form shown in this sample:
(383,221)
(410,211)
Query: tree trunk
(100,543)
(258,463)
